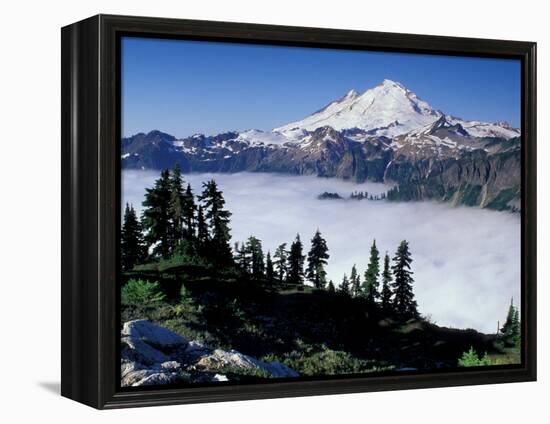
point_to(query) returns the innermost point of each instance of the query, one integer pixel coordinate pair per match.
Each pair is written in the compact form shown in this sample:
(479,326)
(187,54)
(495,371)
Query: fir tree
(203,237)
(355,281)
(189,210)
(370,284)
(255,257)
(269,271)
(240,257)
(330,287)
(176,208)
(317,259)
(403,302)
(296,263)
(344,286)
(156,216)
(132,246)
(386,294)
(510,333)
(281,262)
(218,222)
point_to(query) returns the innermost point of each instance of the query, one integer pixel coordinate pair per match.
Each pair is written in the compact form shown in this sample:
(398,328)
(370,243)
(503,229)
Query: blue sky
(186,87)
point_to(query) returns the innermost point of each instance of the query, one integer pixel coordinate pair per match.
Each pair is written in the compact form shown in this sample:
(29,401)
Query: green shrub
(310,361)
(471,359)
(141,292)
(175,263)
(182,261)
(185,296)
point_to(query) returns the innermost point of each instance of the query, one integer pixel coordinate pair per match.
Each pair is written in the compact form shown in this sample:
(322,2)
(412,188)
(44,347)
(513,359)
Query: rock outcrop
(153,355)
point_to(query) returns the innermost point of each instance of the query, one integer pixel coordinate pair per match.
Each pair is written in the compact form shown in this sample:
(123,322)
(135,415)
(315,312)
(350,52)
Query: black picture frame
(90,137)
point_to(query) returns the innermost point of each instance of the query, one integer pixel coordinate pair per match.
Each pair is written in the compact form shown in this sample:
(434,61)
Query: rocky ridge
(386,134)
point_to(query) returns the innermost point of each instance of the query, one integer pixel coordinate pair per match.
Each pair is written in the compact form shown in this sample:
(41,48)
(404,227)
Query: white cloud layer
(466,260)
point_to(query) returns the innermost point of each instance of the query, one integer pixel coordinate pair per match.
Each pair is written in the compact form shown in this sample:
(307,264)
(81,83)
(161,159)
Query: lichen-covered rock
(153,335)
(170,366)
(196,350)
(139,351)
(158,378)
(220,359)
(153,355)
(136,377)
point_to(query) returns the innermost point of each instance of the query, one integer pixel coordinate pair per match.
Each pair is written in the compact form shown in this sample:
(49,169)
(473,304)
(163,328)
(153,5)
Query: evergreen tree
(189,210)
(132,247)
(281,262)
(156,216)
(370,284)
(317,259)
(240,257)
(296,263)
(386,294)
(321,274)
(218,222)
(269,271)
(403,302)
(330,287)
(203,237)
(344,286)
(355,282)
(510,333)
(176,208)
(255,257)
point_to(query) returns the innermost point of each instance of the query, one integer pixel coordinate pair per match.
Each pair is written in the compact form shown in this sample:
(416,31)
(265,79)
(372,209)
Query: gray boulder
(153,335)
(139,351)
(153,355)
(220,359)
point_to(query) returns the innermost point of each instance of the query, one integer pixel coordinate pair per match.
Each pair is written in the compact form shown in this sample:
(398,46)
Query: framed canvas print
(256,211)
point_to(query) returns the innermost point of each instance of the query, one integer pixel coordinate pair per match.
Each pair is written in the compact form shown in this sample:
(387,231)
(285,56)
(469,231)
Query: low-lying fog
(466,260)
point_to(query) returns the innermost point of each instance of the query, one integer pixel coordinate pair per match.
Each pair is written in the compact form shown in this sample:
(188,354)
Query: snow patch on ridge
(260,137)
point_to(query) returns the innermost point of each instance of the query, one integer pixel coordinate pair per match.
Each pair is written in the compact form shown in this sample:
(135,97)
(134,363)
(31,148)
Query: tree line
(365,195)
(287,266)
(176,222)
(389,286)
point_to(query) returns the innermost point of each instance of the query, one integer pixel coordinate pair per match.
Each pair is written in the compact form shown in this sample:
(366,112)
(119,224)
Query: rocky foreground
(153,355)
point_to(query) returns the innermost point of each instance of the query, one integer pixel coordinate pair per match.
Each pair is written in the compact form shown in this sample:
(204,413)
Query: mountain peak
(393,84)
(352,94)
(159,136)
(375,111)
(390,110)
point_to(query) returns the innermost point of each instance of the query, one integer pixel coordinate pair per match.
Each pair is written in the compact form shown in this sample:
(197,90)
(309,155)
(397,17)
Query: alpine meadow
(265,236)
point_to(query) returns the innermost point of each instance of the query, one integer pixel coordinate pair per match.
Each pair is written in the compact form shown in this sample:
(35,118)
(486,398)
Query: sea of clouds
(466,260)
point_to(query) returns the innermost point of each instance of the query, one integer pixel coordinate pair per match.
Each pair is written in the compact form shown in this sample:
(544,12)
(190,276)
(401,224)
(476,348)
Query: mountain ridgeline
(387,134)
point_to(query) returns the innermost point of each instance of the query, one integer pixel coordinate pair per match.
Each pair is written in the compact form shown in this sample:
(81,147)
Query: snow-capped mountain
(389,109)
(385,134)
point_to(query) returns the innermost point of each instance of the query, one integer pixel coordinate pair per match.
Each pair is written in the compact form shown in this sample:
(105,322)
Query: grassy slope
(314,332)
